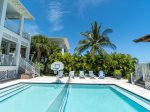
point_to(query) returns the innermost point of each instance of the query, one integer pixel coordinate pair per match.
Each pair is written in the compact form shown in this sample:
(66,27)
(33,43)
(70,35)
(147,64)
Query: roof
(21,9)
(62,41)
(145,38)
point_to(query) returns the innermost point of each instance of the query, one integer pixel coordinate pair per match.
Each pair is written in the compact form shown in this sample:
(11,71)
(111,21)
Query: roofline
(65,39)
(30,17)
(145,38)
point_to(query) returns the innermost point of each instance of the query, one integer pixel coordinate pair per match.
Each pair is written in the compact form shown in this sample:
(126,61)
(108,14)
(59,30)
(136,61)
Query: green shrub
(117,72)
(111,64)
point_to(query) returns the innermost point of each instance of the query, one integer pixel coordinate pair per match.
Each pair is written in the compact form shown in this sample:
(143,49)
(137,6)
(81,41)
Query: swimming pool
(70,98)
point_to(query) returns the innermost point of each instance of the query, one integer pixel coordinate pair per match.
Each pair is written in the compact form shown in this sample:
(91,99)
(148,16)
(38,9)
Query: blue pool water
(71,98)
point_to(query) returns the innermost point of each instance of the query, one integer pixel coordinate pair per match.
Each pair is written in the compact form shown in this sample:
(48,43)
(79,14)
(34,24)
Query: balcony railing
(26,35)
(12,26)
(7,60)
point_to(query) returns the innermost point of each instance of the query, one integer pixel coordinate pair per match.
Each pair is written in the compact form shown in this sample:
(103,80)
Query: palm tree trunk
(38,55)
(46,67)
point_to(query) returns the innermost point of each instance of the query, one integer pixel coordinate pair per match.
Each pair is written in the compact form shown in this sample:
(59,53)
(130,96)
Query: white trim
(4,68)
(21,9)
(140,102)
(63,39)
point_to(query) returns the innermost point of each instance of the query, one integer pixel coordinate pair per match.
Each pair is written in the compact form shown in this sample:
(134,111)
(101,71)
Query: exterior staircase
(28,68)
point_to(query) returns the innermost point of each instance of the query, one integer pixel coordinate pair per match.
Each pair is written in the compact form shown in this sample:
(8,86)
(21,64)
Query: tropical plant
(108,63)
(38,45)
(117,72)
(95,40)
(43,48)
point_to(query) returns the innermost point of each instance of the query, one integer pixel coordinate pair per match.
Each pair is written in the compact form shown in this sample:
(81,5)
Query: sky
(129,19)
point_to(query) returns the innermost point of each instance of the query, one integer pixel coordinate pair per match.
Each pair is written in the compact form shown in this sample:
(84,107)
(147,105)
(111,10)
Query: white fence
(143,70)
(8,72)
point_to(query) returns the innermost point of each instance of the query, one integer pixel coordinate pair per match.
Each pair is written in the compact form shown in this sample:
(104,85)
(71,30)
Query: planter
(118,77)
(129,80)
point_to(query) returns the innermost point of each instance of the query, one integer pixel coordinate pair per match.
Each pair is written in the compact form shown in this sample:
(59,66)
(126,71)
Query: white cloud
(33,29)
(55,15)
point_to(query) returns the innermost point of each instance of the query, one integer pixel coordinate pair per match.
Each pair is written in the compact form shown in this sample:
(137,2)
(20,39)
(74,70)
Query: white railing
(142,70)
(7,60)
(26,35)
(37,68)
(14,27)
(29,68)
(11,25)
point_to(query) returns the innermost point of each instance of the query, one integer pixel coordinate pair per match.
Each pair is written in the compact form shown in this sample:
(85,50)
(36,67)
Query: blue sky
(129,20)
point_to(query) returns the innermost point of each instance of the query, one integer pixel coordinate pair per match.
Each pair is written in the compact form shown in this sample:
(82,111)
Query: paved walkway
(122,83)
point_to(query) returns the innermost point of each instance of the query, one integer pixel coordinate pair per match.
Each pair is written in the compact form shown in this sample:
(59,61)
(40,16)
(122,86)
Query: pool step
(13,92)
(9,88)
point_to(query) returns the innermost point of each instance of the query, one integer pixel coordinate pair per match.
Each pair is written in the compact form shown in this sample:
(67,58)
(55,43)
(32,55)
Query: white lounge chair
(101,75)
(81,74)
(91,74)
(71,74)
(60,74)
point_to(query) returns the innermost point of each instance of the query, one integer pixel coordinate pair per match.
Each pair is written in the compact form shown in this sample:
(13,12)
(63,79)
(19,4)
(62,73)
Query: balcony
(14,27)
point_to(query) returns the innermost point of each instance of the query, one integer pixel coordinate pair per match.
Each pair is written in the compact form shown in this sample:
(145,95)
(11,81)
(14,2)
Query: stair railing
(29,68)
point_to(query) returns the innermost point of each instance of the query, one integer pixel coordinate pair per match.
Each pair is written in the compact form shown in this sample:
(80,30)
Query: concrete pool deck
(50,79)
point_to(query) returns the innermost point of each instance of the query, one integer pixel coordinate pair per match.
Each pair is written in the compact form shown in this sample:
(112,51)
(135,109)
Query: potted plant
(117,74)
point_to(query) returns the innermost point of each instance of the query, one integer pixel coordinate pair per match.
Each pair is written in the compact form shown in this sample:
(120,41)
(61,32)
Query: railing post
(17,54)
(1,36)
(132,79)
(3,8)
(21,25)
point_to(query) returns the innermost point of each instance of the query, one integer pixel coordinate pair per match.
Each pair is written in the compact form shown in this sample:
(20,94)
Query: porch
(10,55)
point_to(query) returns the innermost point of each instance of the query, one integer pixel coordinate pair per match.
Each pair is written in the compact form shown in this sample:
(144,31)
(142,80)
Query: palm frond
(84,41)
(95,40)
(82,48)
(108,44)
(107,31)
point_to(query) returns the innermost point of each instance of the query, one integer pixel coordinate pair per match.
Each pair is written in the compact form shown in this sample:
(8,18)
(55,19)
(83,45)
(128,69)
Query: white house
(14,41)
(63,44)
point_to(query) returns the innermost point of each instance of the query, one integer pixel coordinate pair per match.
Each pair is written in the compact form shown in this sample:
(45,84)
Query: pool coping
(75,84)
(128,95)
(141,92)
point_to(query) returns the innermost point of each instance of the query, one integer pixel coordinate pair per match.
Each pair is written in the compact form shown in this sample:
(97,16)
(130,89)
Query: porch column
(1,36)
(21,25)
(27,53)
(28,49)
(62,51)
(3,8)
(17,54)
(8,48)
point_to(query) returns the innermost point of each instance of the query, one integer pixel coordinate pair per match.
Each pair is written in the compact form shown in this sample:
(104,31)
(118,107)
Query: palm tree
(95,40)
(43,49)
(39,44)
